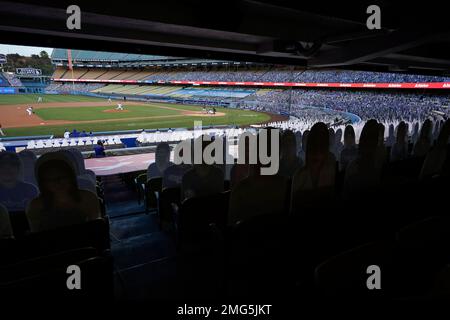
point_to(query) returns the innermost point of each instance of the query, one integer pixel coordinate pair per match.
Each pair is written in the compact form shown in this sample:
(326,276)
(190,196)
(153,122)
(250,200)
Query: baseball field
(59,112)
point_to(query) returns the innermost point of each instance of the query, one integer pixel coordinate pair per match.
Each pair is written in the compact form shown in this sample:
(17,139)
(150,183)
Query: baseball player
(66,134)
(29,110)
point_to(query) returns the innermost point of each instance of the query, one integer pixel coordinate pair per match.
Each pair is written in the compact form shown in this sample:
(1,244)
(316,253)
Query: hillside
(41,61)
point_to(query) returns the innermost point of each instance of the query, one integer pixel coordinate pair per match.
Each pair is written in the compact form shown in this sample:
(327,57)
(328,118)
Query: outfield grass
(46,98)
(231,117)
(235,118)
(98,113)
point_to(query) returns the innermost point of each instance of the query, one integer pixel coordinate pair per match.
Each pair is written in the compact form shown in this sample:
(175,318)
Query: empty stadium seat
(96,280)
(153,189)
(38,265)
(90,234)
(194,217)
(260,257)
(346,275)
(403,171)
(259,195)
(116,140)
(6,230)
(19,223)
(167,197)
(141,186)
(31,144)
(57,143)
(50,143)
(39,144)
(441,286)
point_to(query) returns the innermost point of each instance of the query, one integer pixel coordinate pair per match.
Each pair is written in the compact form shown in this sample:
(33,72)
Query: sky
(23,50)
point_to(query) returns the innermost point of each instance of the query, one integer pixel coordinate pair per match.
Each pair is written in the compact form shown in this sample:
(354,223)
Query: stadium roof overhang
(414,36)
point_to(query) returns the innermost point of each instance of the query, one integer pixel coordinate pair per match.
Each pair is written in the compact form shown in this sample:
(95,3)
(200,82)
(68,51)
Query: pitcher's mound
(115,111)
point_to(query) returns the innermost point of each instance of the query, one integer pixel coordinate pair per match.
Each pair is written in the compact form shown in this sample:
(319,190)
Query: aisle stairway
(144,256)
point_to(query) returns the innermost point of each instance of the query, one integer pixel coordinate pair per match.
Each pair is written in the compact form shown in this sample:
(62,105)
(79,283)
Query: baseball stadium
(111,93)
(149,106)
(260,152)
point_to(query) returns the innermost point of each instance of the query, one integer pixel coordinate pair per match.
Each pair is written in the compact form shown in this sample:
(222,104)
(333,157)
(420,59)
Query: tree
(43,54)
(41,61)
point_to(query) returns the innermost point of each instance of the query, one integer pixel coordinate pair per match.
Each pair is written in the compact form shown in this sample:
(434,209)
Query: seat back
(429,234)
(141,179)
(259,196)
(347,274)
(404,170)
(94,234)
(165,200)
(140,182)
(155,184)
(423,250)
(96,281)
(195,216)
(260,260)
(19,223)
(153,187)
(37,265)
(323,198)
(8,248)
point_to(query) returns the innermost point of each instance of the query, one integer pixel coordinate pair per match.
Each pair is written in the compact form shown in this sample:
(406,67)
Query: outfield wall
(7,90)
(148,98)
(22,90)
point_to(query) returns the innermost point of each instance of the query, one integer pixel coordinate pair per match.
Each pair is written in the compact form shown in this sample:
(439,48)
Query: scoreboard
(28,72)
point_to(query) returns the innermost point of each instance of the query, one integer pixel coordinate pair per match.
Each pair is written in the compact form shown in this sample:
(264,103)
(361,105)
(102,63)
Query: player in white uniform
(30,110)
(119,106)
(109,100)
(66,134)
(39,99)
